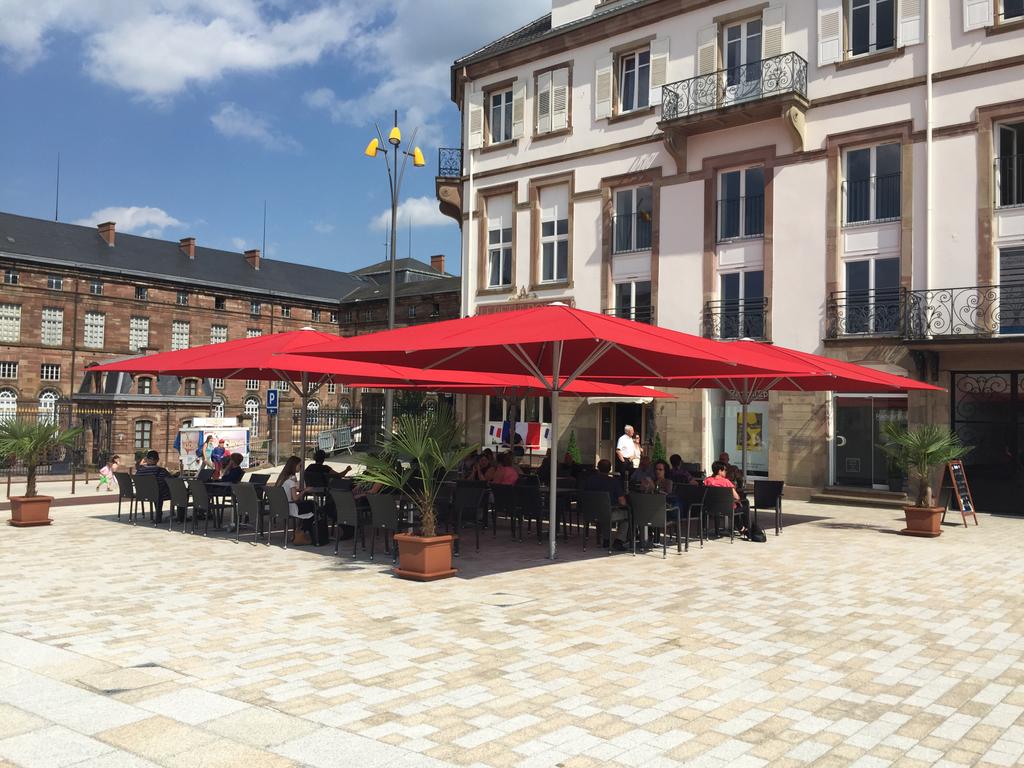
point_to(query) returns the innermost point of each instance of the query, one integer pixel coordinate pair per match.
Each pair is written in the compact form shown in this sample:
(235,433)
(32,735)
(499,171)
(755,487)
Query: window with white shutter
(10,322)
(518,110)
(552,95)
(659,68)
(830,31)
(978,14)
(909,22)
(773,36)
(475,121)
(52,330)
(138,333)
(603,87)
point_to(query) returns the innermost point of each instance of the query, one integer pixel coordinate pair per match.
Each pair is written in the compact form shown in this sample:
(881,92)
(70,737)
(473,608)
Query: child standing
(107,479)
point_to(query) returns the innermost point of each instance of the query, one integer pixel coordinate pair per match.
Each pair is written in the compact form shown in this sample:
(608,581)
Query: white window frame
(143,429)
(94,330)
(181,332)
(9,369)
(503,111)
(334,316)
(10,322)
(641,96)
(1002,18)
(252,385)
(872,289)
(51,327)
(218,383)
(11,277)
(410,312)
(740,90)
(872,26)
(8,404)
(96,288)
(633,215)
(218,333)
(255,308)
(331,388)
(253,333)
(873,179)
(743,234)
(191,384)
(217,411)
(49,372)
(55,282)
(314,315)
(141,293)
(138,333)
(181,299)
(286,311)
(1018,127)
(251,408)
(502,251)
(47,413)
(633,309)
(550,244)
(144,385)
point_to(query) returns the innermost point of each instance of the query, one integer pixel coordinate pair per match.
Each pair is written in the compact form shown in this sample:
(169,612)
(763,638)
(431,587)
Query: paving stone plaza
(837,643)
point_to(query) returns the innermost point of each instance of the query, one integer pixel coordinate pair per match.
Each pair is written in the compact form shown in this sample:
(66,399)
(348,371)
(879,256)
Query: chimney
(188,246)
(107,232)
(253,257)
(437,262)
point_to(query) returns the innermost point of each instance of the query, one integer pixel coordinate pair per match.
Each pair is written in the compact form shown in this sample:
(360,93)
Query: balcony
(640,314)
(758,90)
(448,183)
(979,311)
(877,312)
(736,319)
(631,232)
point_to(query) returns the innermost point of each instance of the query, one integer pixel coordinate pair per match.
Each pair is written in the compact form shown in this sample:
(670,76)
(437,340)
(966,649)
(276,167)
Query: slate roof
(74,246)
(540,29)
(413,265)
(414,288)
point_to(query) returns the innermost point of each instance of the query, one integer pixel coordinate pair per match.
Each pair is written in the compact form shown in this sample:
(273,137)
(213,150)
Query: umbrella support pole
(553,479)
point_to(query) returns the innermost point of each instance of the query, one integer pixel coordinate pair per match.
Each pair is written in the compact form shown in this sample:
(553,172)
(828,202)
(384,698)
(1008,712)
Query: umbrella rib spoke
(592,358)
(523,359)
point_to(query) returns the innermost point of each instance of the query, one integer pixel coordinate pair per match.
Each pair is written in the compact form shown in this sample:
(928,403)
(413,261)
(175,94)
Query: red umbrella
(556,344)
(824,374)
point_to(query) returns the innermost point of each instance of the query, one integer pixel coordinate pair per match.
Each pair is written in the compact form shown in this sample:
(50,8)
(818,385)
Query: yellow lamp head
(371,148)
(395,137)
(417,157)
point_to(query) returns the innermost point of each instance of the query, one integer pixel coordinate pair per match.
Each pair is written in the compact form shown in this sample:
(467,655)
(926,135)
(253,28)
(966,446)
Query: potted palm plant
(29,442)
(918,452)
(432,443)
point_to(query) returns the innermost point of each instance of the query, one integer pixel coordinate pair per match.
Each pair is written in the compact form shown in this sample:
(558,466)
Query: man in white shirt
(625,450)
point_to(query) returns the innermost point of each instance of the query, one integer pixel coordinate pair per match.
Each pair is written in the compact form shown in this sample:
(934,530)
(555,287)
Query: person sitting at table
(465,467)
(318,474)
(734,473)
(150,465)
(506,473)
(301,509)
(661,482)
(603,480)
(233,472)
(719,479)
(644,471)
(483,469)
(677,473)
(544,470)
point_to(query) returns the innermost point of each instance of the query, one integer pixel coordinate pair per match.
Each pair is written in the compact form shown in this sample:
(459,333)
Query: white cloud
(238,243)
(323,227)
(236,122)
(140,220)
(420,211)
(408,51)
(157,48)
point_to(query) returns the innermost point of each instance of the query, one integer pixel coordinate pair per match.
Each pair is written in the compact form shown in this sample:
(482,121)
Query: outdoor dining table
(221,490)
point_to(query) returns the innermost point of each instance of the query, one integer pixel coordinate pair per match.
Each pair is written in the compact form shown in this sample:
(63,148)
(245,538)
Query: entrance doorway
(859,420)
(613,418)
(988,414)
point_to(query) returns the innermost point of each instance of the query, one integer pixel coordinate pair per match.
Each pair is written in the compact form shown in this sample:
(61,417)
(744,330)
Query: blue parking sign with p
(272,402)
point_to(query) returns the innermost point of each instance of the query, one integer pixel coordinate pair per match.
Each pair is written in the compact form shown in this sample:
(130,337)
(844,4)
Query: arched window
(218,408)
(48,407)
(8,404)
(313,411)
(345,407)
(252,410)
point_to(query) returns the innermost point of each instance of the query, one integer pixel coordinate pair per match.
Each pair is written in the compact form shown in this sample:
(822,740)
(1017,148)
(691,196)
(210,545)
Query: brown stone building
(75,296)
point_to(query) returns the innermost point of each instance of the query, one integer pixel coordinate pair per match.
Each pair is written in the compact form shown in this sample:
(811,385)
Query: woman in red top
(506,473)
(718,479)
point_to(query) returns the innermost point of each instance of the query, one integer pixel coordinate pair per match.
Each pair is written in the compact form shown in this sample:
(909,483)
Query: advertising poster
(754,433)
(236,440)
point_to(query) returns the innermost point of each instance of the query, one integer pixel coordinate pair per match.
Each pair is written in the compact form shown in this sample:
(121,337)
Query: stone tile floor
(837,643)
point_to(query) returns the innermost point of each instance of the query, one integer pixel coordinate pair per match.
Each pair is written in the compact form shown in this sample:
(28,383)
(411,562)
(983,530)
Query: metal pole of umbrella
(744,400)
(302,427)
(556,361)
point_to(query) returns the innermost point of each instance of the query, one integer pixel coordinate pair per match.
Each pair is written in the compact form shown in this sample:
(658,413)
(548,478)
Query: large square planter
(423,558)
(27,511)
(923,521)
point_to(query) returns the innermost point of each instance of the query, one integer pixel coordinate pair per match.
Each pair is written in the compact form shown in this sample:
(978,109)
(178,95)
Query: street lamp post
(396,171)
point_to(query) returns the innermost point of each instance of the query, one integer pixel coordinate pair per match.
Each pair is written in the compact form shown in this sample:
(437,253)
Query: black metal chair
(200,505)
(277,503)
(259,479)
(768,495)
(348,514)
(530,503)
(204,474)
(689,498)
(179,501)
(341,483)
(596,507)
(147,491)
(505,505)
(469,497)
(383,516)
(719,504)
(125,490)
(652,510)
(248,505)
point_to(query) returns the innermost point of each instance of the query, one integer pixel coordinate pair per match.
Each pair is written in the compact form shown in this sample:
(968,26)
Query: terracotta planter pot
(423,558)
(30,510)
(923,521)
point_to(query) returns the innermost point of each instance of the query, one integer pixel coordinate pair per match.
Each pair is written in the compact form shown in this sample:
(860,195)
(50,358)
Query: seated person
(603,480)
(544,470)
(719,479)
(233,471)
(465,467)
(678,474)
(506,473)
(661,482)
(303,510)
(732,471)
(318,474)
(644,471)
(150,465)
(483,467)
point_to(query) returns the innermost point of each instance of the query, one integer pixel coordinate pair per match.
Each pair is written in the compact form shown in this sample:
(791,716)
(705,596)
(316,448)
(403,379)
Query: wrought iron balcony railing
(982,310)
(449,162)
(873,199)
(736,319)
(1009,181)
(641,313)
(740,217)
(774,76)
(877,312)
(631,232)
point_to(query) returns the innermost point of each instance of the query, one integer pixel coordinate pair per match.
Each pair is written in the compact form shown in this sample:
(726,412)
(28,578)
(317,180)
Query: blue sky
(179,118)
